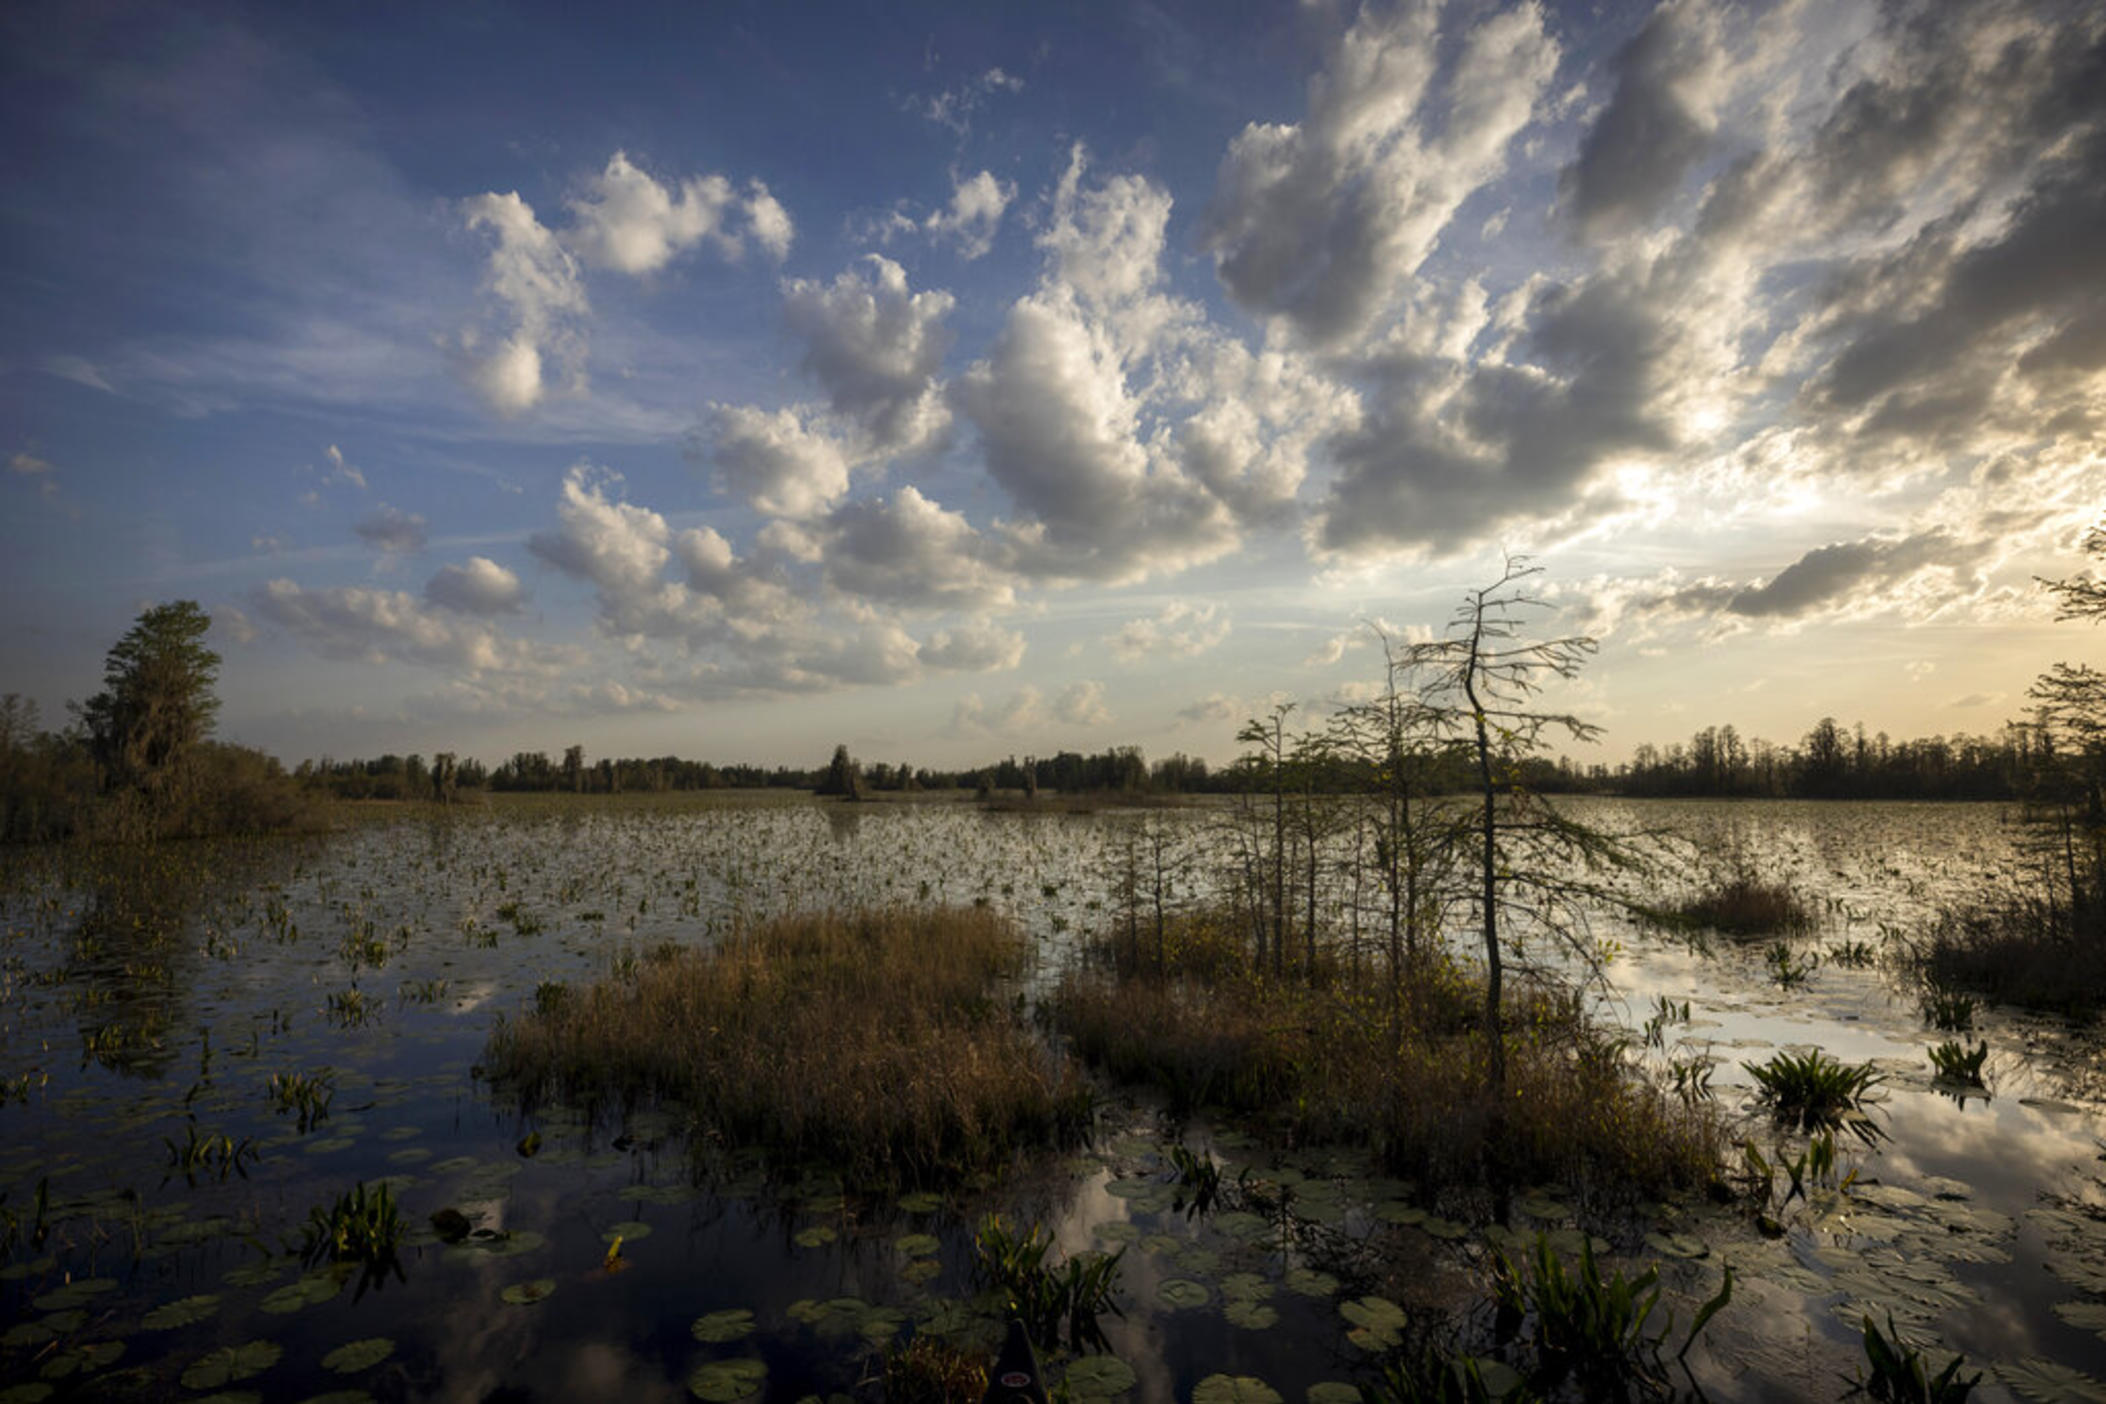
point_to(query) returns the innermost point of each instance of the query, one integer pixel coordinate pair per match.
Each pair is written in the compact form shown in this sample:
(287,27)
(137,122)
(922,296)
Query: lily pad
(1309,1282)
(1100,1377)
(74,1294)
(722,1381)
(528,1293)
(28,1392)
(83,1360)
(358,1355)
(1180,1293)
(2051,1383)
(917,1245)
(1378,1323)
(1676,1245)
(306,1291)
(815,1236)
(721,1326)
(1250,1315)
(230,1363)
(1119,1231)
(1234,1389)
(920,1270)
(1334,1392)
(2089,1316)
(628,1230)
(920,1203)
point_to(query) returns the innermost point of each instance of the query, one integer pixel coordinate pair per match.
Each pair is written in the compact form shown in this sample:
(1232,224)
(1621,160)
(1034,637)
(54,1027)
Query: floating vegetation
(355,1356)
(529,1293)
(1899,1374)
(1050,1300)
(1811,1090)
(723,1381)
(229,1364)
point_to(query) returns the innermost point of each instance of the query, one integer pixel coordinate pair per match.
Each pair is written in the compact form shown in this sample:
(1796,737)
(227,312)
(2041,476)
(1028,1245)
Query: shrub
(869,1041)
(1744,905)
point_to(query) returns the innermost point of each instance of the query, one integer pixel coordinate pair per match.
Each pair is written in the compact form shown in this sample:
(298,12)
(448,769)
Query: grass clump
(363,1226)
(1899,1374)
(1045,1297)
(871,1042)
(1956,1062)
(929,1371)
(1743,904)
(1809,1091)
(1401,1066)
(2039,949)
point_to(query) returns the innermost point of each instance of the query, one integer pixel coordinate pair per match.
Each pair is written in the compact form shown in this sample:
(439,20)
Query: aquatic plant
(363,1226)
(1948,1011)
(1665,1012)
(216,1152)
(1742,904)
(1045,1297)
(350,1008)
(1811,1090)
(1198,1178)
(1955,1062)
(1853,955)
(1900,1375)
(863,1040)
(306,1095)
(1598,1332)
(1814,1166)
(927,1370)
(1789,969)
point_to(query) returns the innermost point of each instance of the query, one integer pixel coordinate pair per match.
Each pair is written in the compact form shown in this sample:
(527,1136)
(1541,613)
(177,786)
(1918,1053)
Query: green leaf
(231,1363)
(1234,1389)
(721,1326)
(722,1381)
(1099,1377)
(183,1311)
(1180,1293)
(358,1355)
(529,1293)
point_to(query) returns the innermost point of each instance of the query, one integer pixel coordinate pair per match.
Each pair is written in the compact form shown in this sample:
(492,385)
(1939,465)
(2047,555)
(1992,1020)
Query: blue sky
(735,380)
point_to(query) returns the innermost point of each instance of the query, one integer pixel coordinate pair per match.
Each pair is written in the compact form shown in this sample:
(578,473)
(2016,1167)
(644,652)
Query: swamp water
(146,1004)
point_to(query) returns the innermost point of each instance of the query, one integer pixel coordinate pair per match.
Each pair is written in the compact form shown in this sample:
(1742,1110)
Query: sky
(735,380)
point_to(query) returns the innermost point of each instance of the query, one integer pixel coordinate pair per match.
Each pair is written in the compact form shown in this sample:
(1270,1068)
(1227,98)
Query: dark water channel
(148,1000)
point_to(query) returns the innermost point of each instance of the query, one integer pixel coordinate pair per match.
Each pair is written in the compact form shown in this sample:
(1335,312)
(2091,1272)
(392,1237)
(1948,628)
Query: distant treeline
(1121,768)
(1828,763)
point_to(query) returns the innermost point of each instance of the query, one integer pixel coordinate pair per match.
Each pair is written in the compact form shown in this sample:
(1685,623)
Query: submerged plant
(1956,1062)
(1900,1375)
(1044,1297)
(1811,1090)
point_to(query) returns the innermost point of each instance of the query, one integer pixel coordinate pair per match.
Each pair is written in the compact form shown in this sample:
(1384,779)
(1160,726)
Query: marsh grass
(2043,951)
(1336,1060)
(873,1043)
(1741,904)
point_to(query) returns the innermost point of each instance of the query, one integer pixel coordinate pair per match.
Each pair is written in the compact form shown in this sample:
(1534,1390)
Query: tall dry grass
(874,1043)
(1403,1070)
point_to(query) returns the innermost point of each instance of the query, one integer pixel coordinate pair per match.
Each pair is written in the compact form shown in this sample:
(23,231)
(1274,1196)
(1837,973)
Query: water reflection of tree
(131,957)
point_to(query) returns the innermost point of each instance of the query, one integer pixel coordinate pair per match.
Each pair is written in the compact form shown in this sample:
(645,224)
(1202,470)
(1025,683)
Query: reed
(871,1042)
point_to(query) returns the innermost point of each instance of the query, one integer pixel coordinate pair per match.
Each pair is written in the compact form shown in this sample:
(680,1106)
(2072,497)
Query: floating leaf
(1309,1282)
(528,1293)
(1247,1285)
(1250,1315)
(1378,1323)
(920,1270)
(1676,1245)
(628,1230)
(1101,1377)
(83,1360)
(74,1294)
(255,1274)
(920,1203)
(2089,1316)
(814,1236)
(2051,1383)
(1333,1392)
(358,1355)
(1119,1231)
(721,1381)
(340,1396)
(231,1363)
(917,1245)
(306,1291)
(721,1326)
(29,1392)
(1180,1293)
(1234,1389)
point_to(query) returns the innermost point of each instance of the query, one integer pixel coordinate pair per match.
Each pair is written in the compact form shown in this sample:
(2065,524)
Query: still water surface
(143,999)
